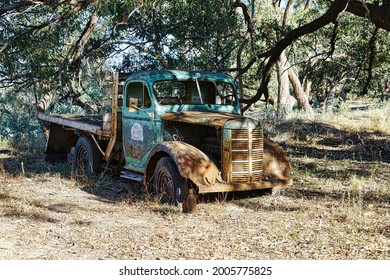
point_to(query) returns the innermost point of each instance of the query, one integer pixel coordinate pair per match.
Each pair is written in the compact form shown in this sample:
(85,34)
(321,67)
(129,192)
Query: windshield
(195,92)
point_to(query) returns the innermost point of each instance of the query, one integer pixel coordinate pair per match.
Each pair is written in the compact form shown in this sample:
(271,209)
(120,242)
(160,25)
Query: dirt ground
(338,208)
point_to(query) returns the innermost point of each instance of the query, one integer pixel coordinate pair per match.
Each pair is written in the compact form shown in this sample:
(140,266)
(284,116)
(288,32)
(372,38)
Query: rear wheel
(168,184)
(86,160)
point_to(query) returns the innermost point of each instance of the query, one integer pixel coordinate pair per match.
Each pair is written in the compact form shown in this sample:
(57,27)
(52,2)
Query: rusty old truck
(171,130)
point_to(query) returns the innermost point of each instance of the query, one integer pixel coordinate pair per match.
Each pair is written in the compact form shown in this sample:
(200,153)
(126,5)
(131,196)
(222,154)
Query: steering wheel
(223,98)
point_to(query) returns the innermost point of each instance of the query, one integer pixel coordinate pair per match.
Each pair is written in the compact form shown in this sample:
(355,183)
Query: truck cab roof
(160,75)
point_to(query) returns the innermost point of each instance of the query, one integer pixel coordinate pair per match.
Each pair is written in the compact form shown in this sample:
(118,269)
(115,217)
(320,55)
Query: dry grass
(364,118)
(338,208)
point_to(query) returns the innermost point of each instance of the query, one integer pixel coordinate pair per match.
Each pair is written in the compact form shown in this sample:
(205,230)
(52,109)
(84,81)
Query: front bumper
(236,187)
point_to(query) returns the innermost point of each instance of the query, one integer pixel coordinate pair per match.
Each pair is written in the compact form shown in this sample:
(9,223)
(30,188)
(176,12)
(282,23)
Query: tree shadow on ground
(320,140)
(247,199)
(292,200)
(107,185)
(343,172)
(269,207)
(354,196)
(12,207)
(110,188)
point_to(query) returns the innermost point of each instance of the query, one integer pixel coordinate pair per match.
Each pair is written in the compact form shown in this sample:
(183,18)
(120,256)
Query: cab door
(139,131)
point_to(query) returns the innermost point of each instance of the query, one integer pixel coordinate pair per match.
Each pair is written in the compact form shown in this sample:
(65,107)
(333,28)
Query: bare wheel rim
(165,186)
(82,158)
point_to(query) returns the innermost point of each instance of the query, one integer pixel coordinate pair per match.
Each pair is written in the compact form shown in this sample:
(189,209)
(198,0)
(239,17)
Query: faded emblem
(137,132)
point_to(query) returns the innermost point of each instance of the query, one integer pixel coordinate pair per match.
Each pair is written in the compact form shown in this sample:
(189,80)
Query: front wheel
(86,160)
(168,184)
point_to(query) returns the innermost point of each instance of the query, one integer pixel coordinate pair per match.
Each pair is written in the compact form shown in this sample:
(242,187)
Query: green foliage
(181,34)
(39,46)
(18,125)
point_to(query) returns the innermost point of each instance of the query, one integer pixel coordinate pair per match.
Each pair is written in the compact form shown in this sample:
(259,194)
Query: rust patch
(203,118)
(136,146)
(276,163)
(191,162)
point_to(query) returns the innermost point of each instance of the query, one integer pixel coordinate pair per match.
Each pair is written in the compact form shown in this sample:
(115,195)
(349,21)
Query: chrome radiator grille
(246,155)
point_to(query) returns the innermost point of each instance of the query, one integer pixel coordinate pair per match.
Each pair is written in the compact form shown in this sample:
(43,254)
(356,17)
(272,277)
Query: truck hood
(210,118)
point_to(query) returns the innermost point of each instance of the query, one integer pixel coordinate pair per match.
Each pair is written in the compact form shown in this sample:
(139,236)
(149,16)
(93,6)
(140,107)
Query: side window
(137,96)
(225,94)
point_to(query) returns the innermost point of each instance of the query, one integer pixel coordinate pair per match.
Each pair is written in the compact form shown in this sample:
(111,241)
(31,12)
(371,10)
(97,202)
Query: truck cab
(155,104)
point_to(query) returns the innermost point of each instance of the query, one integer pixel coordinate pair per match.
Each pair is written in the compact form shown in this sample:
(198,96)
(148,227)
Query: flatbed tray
(88,123)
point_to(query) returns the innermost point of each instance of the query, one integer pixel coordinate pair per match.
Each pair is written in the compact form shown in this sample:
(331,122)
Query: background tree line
(302,53)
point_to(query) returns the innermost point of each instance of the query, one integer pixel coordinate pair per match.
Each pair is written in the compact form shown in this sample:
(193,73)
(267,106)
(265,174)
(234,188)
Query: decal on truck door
(137,133)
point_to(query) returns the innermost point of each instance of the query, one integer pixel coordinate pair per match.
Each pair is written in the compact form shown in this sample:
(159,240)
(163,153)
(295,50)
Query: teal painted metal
(171,75)
(143,125)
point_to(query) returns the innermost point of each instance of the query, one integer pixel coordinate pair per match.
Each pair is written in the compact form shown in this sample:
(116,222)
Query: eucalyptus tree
(55,50)
(376,14)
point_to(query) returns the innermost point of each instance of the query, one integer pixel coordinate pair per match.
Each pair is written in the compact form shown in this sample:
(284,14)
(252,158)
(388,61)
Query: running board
(131,175)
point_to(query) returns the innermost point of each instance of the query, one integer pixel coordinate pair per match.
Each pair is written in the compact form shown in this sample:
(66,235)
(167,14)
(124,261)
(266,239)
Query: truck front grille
(246,155)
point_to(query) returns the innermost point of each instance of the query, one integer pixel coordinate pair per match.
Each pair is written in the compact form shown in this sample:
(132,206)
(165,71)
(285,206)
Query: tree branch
(73,58)
(371,60)
(378,15)
(247,17)
(330,16)
(6,8)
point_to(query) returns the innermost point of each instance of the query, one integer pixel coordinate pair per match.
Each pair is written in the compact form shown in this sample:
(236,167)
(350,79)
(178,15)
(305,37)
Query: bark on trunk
(300,95)
(285,100)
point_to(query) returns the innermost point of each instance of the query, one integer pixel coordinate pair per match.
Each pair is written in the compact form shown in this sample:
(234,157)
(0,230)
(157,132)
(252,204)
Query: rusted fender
(276,164)
(191,162)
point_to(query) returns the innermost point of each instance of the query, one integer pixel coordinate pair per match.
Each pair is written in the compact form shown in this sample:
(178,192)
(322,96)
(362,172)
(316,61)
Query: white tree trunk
(300,95)
(285,100)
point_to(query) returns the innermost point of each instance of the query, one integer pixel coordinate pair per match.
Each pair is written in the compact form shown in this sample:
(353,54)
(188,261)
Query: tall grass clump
(371,118)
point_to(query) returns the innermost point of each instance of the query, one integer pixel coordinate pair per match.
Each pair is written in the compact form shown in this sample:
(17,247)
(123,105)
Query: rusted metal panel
(141,129)
(246,155)
(276,164)
(195,165)
(242,151)
(191,162)
(204,118)
(226,155)
(87,123)
(139,136)
(236,187)
(241,154)
(114,116)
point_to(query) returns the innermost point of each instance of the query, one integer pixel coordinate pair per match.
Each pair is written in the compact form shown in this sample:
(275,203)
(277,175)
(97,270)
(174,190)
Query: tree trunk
(335,9)
(300,95)
(285,100)
(329,102)
(343,94)
(307,87)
